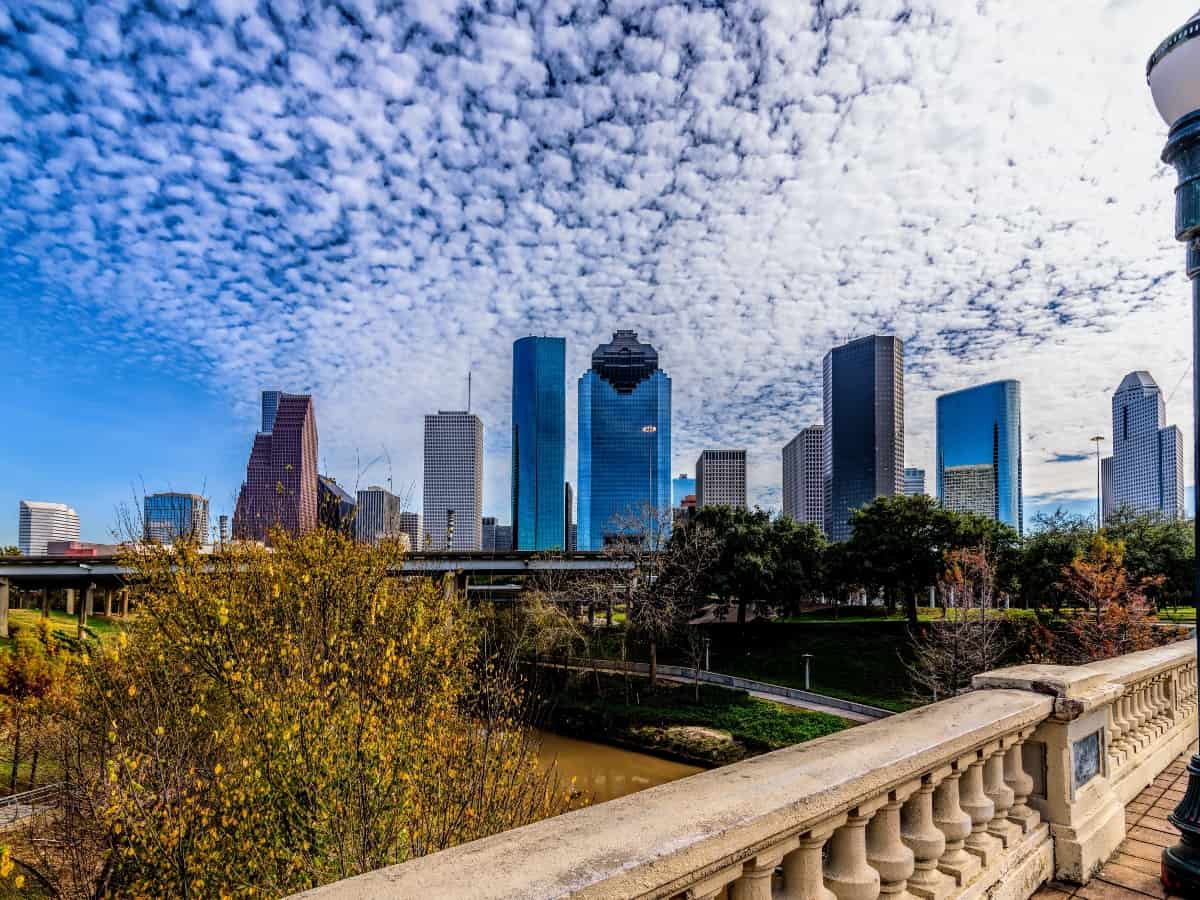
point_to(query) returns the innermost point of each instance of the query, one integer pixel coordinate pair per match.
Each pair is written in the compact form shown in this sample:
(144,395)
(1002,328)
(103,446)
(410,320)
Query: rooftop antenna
(468,390)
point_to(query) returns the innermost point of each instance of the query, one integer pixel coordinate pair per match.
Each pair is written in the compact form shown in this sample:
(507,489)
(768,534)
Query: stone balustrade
(987,794)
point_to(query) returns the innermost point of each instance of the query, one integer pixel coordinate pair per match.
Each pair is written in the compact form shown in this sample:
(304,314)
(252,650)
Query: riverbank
(711,727)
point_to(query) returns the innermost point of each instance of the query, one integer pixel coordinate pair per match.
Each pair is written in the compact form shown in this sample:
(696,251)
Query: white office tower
(453,492)
(721,478)
(803,478)
(377,516)
(40,523)
(1147,453)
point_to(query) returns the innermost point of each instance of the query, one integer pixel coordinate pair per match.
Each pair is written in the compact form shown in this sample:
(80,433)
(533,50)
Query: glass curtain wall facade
(539,443)
(624,439)
(170,517)
(682,486)
(981,426)
(863,451)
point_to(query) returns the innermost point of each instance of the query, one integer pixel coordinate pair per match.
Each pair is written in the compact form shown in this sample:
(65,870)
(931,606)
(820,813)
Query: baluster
(713,887)
(886,852)
(1141,716)
(1124,745)
(980,808)
(926,842)
(1114,738)
(803,878)
(755,880)
(1021,783)
(848,875)
(955,825)
(1002,797)
(1161,704)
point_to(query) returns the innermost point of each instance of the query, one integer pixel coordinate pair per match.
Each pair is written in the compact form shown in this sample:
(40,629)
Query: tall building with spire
(624,440)
(863,451)
(1148,470)
(280,490)
(539,443)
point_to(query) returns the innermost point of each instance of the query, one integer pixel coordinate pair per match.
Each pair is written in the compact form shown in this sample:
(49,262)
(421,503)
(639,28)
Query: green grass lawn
(650,717)
(62,624)
(863,662)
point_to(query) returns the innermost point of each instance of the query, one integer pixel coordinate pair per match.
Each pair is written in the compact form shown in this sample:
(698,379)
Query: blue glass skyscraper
(624,438)
(682,486)
(539,431)
(979,451)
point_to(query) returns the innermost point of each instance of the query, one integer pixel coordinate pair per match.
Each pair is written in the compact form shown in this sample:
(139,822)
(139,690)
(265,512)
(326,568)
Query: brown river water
(604,772)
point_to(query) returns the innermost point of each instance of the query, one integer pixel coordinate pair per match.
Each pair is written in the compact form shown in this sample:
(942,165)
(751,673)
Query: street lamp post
(1174,75)
(1097,440)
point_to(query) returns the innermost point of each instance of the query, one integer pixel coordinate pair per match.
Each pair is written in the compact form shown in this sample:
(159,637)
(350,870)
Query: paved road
(788,701)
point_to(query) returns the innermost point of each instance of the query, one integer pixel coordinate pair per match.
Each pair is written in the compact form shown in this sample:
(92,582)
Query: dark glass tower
(979,434)
(863,452)
(539,441)
(624,438)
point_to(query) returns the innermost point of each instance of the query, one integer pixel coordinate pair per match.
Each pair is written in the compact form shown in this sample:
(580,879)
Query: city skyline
(378,299)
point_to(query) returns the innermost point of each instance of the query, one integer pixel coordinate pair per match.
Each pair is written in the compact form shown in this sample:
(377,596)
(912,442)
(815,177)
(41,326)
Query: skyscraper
(335,505)
(624,439)
(683,485)
(1147,453)
(40,523)
(270,405)
(410,526)
(981,426)
(170,517)
(487,541)
(377,516)
(539,436)
(453,495)
(504,539)
(721,478)
(568,517)
(914,482)
(281,478)
(863,450)
(804,478)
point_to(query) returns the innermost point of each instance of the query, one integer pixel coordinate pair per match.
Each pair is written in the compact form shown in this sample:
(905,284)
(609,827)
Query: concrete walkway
(810,705)
(1132,873)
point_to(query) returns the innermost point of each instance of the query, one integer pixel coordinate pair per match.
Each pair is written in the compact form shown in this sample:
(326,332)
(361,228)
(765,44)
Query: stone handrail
(986,794)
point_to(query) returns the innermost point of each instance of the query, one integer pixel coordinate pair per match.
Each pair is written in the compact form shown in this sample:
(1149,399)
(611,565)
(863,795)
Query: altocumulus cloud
(366,198)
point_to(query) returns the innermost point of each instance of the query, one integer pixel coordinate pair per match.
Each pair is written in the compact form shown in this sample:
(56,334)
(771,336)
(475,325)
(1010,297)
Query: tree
(949,653)
(1055,542)
(998,540)
(278,719)
(1156,546)
(897,544)
(1114,616)
(668,573)
(10,550)
(797,571)
(36,689)
(746,558)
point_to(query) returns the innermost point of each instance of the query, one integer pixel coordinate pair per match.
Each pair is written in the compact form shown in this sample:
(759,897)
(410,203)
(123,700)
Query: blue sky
(366,200)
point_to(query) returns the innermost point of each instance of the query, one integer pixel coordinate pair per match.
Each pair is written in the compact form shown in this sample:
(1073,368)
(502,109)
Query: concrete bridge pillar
(124,602)
(3,607)
(108,602)
(85,607)
(70,600)
(45,603)
(89,597)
